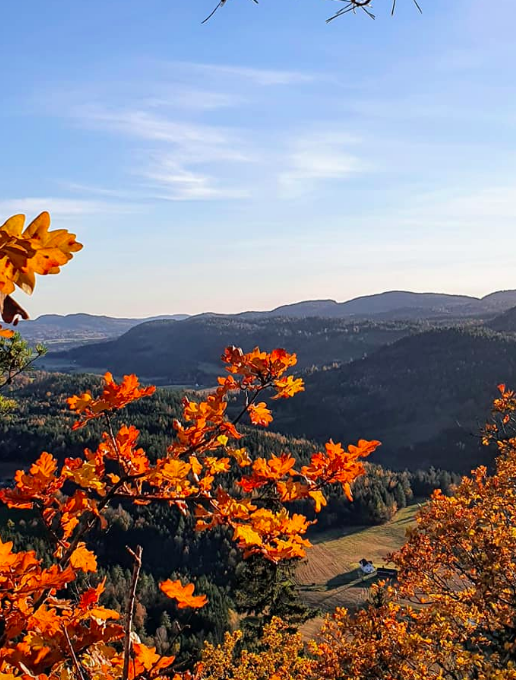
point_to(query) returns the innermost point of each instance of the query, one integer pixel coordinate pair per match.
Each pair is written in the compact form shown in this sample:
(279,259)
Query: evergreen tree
(266,590)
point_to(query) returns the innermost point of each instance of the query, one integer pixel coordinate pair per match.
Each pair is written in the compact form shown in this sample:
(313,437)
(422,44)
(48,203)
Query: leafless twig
(78,668)
(221,4)
(129,612)
(352,6)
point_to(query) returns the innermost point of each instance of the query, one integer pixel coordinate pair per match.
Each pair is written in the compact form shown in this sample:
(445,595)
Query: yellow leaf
(247,535)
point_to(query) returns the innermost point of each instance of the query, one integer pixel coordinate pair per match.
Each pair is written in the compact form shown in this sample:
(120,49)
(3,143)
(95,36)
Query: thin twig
(221,4)
(75,660)
(129,612)
(369,14)
(351,7)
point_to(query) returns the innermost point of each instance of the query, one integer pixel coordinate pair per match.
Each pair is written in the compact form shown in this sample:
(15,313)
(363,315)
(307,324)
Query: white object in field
(366,566)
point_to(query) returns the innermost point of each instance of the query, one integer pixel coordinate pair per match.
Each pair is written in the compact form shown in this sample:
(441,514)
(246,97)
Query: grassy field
(330,576)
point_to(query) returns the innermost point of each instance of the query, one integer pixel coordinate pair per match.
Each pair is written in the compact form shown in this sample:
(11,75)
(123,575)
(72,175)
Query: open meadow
(330,576)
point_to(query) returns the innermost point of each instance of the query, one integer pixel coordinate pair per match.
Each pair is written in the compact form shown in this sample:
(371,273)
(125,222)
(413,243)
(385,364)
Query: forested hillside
(422,390)
(504,323)
(424,397)
(189,352)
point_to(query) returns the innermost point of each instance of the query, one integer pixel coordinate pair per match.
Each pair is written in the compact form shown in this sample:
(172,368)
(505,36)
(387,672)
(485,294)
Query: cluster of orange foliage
(50,636)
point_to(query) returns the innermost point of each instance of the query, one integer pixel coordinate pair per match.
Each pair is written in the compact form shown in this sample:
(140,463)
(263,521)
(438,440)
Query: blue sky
(264,157)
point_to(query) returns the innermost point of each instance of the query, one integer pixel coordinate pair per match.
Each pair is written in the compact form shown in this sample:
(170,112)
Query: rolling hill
(189,352)
(423,391)
(499,301)
(397,305)
(425,397)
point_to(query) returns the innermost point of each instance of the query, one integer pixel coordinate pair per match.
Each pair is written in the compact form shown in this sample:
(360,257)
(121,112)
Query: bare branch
(78,668)
(221,4)
(129,612)
(365,6)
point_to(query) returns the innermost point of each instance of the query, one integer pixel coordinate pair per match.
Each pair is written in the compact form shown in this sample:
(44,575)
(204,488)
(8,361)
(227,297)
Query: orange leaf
(183,594)
(260,414)
(45,466)
(149,660)
(83,559)
(288,387)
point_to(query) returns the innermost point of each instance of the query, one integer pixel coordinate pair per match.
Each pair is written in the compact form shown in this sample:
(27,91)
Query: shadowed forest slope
(425,397)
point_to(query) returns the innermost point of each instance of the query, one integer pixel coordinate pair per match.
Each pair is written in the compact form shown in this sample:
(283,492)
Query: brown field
(330,578)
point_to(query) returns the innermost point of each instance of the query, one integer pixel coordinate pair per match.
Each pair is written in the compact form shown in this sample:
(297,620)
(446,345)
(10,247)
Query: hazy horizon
(266,309)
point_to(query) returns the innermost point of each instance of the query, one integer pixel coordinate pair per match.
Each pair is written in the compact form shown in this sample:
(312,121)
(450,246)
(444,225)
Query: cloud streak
(318,157)
(184,157)
(257,76)
(179,184)
(64,207)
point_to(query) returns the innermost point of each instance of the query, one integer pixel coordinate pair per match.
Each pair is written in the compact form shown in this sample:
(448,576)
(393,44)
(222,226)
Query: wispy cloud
(183,165)
(90,189)
(258,76)
(178,184)
(203,140)
(195,99)
(63,207)
(317,157)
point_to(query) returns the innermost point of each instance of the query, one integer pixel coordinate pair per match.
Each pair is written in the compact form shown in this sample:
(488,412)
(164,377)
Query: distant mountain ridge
(74,329)
(396,304)
(81,320)
(406,304)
